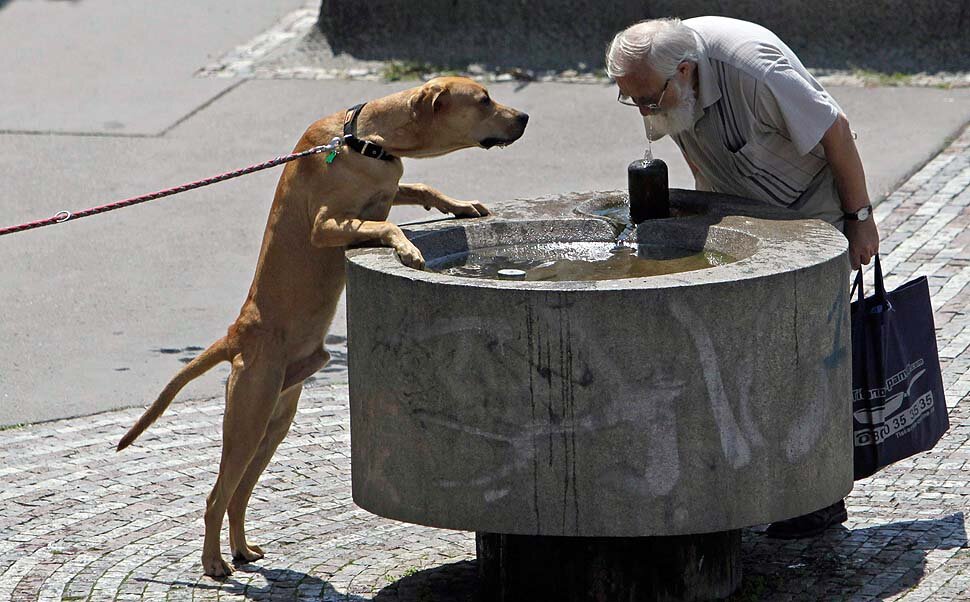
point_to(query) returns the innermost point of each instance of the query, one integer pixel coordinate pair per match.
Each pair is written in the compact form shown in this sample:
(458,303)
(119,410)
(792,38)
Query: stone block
(885,35)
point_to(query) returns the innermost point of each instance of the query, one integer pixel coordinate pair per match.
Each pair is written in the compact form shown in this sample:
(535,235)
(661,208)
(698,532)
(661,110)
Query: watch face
(863,214)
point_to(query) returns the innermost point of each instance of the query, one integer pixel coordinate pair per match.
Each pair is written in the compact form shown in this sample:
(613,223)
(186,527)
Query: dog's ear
(428,100)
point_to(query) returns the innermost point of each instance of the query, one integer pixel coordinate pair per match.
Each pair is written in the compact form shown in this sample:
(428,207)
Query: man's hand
(863,241)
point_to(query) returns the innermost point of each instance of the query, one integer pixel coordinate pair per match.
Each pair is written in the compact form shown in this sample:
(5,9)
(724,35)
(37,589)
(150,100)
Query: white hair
(661,43)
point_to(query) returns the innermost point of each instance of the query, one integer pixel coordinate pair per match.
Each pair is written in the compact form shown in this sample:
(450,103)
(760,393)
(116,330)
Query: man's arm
(850,180)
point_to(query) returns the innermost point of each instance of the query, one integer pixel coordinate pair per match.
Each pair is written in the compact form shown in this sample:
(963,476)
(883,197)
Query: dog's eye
(485,101)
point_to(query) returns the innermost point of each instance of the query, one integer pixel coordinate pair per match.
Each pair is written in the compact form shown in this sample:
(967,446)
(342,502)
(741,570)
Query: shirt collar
(708,92)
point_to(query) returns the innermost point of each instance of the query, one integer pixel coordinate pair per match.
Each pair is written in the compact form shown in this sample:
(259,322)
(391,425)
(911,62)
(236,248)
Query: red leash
(64,216)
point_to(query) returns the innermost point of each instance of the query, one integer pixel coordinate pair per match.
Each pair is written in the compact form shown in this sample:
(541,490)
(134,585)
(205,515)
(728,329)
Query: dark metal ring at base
(677,568)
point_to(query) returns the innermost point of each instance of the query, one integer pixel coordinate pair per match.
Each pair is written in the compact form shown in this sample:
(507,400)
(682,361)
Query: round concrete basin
(684,403)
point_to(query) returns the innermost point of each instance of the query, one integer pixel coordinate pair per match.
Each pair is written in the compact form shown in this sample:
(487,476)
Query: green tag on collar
(331,156)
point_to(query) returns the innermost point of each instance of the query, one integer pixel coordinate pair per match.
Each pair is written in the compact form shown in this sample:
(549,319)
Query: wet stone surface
(80,522)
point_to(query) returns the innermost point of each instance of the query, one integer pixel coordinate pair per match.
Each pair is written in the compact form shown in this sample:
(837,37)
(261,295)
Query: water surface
(577,261)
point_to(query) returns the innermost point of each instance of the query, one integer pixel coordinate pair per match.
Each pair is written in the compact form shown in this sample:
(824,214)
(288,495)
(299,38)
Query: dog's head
(456,112)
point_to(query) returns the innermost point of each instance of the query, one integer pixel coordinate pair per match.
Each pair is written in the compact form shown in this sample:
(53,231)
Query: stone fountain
(605,439)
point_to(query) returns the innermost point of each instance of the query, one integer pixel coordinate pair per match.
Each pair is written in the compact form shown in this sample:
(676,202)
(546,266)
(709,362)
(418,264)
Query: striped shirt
(759,120)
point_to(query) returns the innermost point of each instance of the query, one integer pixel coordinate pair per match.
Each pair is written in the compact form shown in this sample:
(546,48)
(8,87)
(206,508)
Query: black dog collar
(368,149)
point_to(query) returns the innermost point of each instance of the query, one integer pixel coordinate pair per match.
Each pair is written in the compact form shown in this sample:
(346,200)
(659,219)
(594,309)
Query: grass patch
(408,573)
(878,78)
(13,427)
(394,71)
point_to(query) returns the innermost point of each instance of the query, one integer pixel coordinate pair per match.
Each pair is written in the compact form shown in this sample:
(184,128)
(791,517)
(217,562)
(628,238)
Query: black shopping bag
(897,387)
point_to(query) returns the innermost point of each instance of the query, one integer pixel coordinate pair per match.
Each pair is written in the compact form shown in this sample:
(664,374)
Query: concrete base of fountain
(619,569)
(618,411)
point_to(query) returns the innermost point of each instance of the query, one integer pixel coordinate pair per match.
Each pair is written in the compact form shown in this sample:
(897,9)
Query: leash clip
(334,147)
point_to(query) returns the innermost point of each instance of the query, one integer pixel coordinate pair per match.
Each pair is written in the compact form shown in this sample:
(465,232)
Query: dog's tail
(216,353)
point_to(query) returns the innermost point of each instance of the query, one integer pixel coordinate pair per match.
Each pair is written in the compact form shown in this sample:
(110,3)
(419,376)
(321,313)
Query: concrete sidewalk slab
(117,68)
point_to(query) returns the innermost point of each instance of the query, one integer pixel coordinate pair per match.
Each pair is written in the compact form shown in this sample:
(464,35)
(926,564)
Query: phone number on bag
(899,424)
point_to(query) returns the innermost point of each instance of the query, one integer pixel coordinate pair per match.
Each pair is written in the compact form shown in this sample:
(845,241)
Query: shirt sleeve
(797,108)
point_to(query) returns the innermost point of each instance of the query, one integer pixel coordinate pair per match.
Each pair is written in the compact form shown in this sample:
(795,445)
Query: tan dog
(320,208)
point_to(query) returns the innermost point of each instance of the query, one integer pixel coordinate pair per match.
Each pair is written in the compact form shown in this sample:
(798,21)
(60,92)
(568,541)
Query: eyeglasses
(643,103)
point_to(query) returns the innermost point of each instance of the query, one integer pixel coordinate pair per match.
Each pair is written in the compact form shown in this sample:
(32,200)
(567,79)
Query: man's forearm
(850,180)
(847,170)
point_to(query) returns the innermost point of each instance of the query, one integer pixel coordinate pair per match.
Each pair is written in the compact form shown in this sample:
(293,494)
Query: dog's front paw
(467,209)
(410,255)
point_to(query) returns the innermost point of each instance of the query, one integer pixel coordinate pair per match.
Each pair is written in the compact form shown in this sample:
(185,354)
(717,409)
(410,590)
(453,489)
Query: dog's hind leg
(279,425)
(301,370)
(251,396)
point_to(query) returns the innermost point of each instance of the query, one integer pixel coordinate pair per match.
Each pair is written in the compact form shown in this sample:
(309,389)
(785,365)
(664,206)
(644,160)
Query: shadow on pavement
(455,582)
(279,584)
(884,560)
(874,562)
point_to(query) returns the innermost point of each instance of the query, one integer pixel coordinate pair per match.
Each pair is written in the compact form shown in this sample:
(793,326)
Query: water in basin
(572,261)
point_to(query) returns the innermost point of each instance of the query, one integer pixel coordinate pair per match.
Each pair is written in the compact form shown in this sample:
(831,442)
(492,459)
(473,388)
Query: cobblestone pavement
(80,522)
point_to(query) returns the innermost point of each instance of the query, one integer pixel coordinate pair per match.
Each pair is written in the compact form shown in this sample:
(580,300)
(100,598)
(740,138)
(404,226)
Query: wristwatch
(861,215)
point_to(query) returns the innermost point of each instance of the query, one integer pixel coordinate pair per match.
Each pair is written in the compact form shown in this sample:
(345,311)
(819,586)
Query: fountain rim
(776,253)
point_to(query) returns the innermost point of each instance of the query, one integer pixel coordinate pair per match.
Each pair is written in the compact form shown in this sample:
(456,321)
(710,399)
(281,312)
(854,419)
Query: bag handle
(879,299)
(880,286)
(857,285)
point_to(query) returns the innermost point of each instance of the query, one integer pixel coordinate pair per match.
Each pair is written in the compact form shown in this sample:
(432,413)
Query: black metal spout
(649,193)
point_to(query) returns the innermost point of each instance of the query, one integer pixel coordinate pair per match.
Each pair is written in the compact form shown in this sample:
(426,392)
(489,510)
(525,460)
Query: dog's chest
(377,206)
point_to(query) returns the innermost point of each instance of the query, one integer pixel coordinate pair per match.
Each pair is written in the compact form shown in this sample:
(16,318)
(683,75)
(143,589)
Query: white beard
(675,120)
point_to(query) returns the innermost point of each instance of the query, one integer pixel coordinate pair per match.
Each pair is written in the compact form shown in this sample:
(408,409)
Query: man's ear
(428,100)
(686,68)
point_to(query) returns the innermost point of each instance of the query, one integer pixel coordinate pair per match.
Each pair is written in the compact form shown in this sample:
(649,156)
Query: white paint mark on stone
(733,442)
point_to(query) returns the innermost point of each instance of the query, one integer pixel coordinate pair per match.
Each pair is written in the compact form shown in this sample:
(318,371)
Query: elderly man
(750,121)
(748,117)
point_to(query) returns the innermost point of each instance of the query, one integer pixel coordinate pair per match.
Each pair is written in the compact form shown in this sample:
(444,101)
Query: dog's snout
(523,119)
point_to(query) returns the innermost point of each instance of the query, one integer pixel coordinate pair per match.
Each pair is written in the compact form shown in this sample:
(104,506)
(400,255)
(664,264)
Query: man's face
(674,97)
(645,87)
